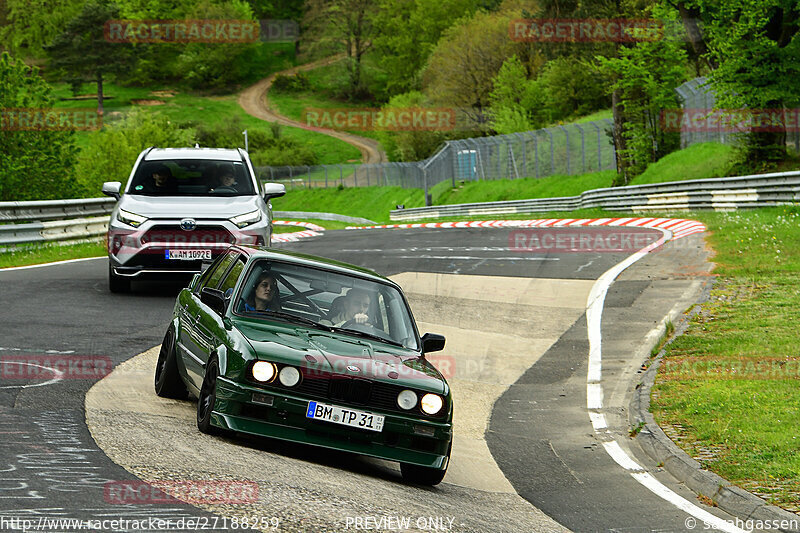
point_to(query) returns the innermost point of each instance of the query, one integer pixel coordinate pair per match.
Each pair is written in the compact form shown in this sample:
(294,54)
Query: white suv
(183,207)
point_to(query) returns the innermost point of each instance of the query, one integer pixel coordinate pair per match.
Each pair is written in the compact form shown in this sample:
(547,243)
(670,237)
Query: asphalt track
(539,433)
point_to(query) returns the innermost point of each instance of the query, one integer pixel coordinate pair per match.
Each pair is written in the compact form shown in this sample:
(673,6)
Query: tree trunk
(690,16)
(620,143)
(100,93)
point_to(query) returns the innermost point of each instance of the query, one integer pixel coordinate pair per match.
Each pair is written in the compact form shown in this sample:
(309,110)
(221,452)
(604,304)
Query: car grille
(169,235)
(350,390)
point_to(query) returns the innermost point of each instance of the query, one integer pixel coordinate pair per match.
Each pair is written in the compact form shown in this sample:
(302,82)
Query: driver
(227,181)
(355,308)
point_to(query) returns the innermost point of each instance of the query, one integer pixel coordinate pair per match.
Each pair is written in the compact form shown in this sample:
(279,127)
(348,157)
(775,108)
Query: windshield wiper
(294,318)
(370,336)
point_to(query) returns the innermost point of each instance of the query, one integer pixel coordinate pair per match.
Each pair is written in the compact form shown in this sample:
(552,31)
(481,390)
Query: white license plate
(345,416)
(188,255)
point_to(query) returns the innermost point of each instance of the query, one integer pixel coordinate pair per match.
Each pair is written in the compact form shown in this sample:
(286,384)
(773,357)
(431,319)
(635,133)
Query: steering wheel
(352,322)
(224,189)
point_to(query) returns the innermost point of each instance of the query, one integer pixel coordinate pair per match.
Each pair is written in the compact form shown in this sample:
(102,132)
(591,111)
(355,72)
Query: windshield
(328,300)
(191,177)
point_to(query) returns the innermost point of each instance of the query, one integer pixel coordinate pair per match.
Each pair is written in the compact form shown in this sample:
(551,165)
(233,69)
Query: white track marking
(594,390)
(55,263)
(713,522)
(59,375)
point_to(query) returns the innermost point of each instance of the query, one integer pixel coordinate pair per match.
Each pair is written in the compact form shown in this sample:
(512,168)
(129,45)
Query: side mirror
(112,188)
(273,190)
(213,298)
(431,342)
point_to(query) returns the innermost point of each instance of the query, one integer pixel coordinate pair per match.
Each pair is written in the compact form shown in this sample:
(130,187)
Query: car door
(192,342)
(209,327)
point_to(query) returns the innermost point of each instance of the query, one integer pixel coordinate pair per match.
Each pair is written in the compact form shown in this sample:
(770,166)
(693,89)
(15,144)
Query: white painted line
(594,393)
(54,263)
(470,258)
(594,396)
(621,457)
(598,421)
(658,489)
(59,375)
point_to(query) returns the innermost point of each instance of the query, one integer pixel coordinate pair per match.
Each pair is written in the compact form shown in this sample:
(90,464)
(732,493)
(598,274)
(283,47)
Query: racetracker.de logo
(585,30)
(583,240)
(195,492)
(182,31)
(702,120)
(49,119)
(373,119)
(47,367)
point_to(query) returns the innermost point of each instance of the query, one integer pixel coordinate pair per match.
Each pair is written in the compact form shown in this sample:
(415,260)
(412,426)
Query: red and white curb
(679,227)
(312,230)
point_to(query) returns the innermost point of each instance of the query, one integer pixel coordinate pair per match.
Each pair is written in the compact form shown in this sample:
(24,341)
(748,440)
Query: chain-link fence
(698,97)
(567,149)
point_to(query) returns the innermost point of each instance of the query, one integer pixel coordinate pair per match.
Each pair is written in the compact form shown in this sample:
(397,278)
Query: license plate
(188,255)
(345,416)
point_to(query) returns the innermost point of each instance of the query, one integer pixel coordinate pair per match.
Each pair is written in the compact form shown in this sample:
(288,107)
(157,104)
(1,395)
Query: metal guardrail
(55,209)
(722,194)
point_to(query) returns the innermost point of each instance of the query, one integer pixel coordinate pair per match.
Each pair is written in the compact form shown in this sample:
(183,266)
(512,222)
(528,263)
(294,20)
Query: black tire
(206,399)
(423,475)
(167,379)
(117,284)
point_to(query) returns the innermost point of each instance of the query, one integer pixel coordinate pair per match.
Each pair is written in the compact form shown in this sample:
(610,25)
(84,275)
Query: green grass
(730,383)
(373,203)
(699,161)
(37,254)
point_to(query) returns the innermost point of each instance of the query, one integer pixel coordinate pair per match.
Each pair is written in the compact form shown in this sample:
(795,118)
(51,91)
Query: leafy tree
(412,145)
(756,46)
(514,99)
(34,165)
(408,31)
(466,60)
(112,151)
(346,26)
(81,51)
(33,24)
(646,77)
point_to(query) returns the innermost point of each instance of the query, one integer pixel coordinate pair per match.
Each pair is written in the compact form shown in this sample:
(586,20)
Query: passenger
(226,181)
(265,295)
(355,308)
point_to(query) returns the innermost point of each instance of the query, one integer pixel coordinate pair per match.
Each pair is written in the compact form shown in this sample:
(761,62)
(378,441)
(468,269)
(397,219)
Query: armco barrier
(722,194)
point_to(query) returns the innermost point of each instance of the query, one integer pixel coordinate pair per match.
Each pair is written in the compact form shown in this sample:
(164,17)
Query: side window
(213,279)
(230,280)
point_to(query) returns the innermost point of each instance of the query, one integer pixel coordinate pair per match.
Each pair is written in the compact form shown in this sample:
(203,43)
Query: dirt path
(255,102)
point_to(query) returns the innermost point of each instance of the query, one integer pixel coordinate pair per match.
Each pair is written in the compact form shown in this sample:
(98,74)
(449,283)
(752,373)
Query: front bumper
(401,439)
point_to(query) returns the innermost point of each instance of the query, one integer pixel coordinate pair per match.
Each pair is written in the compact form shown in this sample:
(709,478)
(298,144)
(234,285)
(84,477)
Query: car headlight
(431,404)
(248,218)
(131,219)
(289,376)
(407,399)
(264,371)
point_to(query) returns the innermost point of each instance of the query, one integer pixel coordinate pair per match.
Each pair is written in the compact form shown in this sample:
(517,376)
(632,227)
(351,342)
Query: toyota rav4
(181,208)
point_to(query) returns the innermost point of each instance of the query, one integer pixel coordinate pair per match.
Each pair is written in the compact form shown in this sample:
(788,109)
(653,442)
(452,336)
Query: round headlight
(432,404)
(289,376)
(407,399)
(264,371)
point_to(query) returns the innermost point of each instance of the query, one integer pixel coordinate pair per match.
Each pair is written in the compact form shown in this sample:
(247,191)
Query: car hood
(205,207)
(319,351)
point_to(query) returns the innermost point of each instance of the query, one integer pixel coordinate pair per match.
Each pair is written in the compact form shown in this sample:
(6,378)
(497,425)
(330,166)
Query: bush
(284,152)
(113,150)
(34,165)
(292,83)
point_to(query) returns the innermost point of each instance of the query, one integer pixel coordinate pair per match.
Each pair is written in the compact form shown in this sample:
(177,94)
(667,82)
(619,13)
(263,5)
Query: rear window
(191,177)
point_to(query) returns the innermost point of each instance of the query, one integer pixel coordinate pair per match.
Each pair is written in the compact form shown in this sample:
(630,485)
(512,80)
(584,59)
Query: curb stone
(656,444)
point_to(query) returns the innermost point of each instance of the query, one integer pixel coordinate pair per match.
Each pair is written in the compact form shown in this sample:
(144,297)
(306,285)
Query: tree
(754,44)
(465,61)
(33,24)
(408,33)
(411,145)
(81,51)
(347,26)
(646,77)
(514,99)
(34,165)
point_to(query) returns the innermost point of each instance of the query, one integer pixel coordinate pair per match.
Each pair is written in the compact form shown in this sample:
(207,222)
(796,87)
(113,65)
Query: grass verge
(727,391)
(49,253)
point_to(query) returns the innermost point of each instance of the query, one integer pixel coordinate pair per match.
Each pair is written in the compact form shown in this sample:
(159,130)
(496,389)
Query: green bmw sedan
(310,350)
